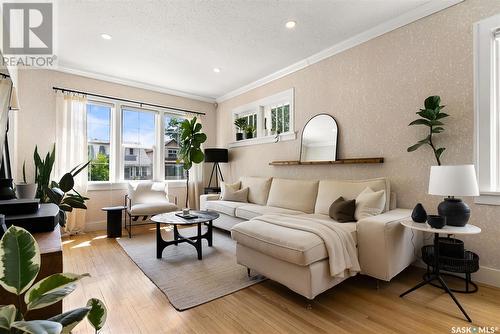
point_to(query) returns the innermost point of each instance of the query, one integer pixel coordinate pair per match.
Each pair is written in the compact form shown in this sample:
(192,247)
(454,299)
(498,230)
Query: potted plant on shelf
(240,127)
(190,151)
(19,266)
(25,190)
(249,131)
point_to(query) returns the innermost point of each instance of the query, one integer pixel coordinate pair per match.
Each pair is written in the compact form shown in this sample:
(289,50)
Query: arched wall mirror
(319,139)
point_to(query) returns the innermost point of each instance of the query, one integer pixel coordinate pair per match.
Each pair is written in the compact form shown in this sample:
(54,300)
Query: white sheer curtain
(71,149)
(195,186)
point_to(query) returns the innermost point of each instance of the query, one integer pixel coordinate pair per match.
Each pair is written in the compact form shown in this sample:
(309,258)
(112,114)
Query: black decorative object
(19,206)
(451,247)
(216,155)
(114,220)
(436,221)
(6,190)
(419,215)
(239,136)
(467,264)
(457,213)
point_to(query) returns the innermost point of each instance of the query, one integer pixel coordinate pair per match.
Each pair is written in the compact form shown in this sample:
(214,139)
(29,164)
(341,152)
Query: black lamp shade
(216,155)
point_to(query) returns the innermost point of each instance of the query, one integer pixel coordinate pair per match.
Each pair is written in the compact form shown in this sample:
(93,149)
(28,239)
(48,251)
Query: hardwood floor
(135,305)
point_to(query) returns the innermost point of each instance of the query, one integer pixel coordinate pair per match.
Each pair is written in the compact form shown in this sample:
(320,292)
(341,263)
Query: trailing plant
(190,151)
(430,117)
(240,124)
(19,266)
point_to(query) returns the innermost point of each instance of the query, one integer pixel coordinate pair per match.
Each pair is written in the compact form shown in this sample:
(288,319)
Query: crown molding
(393,24)
(133,83)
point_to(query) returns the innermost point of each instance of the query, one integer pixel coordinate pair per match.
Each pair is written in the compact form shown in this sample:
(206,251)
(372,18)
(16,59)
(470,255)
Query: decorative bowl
(436,221)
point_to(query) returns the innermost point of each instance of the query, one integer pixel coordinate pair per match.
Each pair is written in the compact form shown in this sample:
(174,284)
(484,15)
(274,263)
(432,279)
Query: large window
(487,108)
(138,144)
(98,140)
(129,143)
(173,170)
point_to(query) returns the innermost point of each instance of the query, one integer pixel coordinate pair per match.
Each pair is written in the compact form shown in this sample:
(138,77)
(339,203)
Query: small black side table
(436,274)
(114,220)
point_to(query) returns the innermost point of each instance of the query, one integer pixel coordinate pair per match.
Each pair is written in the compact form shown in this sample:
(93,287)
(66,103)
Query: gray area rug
(185,280)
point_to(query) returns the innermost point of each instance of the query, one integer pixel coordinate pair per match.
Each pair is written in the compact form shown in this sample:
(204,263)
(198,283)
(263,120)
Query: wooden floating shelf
(336,162)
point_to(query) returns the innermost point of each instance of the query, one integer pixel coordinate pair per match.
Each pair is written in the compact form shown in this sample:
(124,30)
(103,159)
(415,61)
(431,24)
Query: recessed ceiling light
(216,70)
(106,36)
(291,24)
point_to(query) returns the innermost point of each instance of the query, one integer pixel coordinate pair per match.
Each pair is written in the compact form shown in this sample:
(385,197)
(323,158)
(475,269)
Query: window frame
(261,108)
(487,109)
(112,161)
(116,172)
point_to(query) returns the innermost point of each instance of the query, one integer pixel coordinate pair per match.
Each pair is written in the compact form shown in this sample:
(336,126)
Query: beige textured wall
(36,121)
(374,90)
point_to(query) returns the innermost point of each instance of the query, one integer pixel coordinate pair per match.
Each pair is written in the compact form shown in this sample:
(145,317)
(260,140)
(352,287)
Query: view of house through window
(173,170)
(138,139)
(98,141)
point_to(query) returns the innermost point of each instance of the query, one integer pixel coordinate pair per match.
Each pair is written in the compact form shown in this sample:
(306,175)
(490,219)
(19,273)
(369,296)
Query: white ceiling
(176,44)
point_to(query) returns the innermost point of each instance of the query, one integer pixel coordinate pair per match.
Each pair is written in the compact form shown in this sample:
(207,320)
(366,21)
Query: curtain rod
(126,100)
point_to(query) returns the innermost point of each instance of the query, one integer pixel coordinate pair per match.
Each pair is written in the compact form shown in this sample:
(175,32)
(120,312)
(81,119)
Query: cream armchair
(145,199)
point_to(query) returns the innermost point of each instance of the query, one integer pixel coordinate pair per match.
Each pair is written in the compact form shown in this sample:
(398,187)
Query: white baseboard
(489,276)
(485,275)
(95,226)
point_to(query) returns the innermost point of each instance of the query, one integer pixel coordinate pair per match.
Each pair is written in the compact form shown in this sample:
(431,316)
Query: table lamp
(453,181)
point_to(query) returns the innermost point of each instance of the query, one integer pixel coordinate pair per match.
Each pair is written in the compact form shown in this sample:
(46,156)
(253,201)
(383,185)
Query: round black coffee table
(173,218)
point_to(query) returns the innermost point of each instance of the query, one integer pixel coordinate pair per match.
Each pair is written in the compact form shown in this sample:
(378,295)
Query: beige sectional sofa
(298,259)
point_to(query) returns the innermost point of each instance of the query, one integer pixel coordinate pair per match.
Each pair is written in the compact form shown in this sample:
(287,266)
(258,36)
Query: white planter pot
(26,190)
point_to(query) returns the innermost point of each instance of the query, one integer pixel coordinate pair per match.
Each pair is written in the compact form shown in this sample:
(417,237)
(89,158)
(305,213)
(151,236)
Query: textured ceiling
(176,44)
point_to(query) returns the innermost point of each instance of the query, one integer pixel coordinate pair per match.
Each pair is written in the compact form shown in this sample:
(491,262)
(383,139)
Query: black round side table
(114,220)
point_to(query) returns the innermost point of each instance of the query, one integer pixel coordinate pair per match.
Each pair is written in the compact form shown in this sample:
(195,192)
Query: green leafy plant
(249,130)
(190,151)
(64,195)
(24,172)
(43,169)
(19,266)
(240,124)
(99,168)
(430,117)
(61,193)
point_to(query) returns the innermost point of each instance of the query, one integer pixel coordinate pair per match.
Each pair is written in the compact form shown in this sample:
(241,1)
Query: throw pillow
(236,196)
(234,186)
(342,210)
(369,203)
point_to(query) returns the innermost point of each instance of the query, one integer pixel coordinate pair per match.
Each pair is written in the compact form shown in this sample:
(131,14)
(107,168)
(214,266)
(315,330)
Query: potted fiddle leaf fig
(19,266)
(240,127)
(431,117)
(190,151)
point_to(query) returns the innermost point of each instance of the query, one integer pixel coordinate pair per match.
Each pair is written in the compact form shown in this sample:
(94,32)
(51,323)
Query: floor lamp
(216,156)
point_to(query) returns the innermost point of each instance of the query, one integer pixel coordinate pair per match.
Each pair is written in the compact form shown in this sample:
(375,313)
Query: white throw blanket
(341,248)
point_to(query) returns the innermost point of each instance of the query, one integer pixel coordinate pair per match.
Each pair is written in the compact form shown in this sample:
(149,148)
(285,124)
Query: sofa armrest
(208,197)
(385,247)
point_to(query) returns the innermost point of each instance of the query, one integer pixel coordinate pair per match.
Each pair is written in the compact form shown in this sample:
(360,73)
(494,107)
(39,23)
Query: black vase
(6,190)
(419,215)
(457,213)
(239,136)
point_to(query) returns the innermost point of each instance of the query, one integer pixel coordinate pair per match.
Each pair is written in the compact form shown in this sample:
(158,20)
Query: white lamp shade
(453,181)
